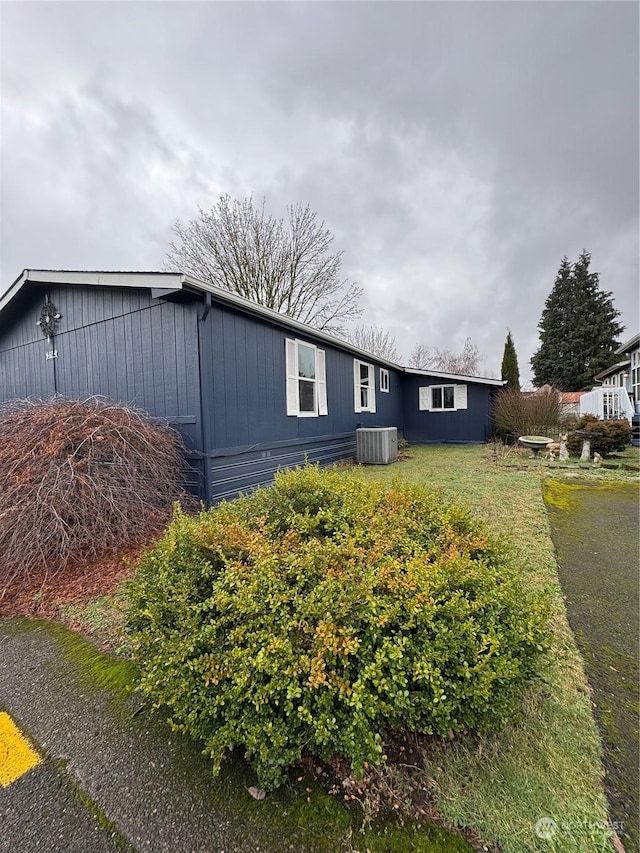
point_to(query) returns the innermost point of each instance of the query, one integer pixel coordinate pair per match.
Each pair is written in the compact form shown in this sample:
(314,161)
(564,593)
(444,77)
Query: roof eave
(177,281)
(483,380)
(629,345)
(611,371)
(13,290)
(283,319)
(106,278)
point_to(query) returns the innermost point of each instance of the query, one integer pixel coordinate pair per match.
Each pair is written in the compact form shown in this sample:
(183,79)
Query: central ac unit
(377,445)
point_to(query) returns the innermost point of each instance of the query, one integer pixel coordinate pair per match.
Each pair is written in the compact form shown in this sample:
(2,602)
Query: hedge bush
(322,612)
(611,436)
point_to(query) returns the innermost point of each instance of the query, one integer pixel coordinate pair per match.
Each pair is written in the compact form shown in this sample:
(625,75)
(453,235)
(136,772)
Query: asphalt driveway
(108,780)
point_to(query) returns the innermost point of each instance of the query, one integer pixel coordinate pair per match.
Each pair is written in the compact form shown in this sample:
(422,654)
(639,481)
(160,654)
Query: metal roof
(483,380)
(177,281)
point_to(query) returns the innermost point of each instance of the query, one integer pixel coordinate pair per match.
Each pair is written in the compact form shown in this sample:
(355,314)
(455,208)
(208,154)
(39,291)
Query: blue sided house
(249,389)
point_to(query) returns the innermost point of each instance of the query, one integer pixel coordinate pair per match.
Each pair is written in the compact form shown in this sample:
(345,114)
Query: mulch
(45,592)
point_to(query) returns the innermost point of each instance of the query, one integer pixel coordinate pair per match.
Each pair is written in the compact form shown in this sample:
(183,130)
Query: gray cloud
(456,150)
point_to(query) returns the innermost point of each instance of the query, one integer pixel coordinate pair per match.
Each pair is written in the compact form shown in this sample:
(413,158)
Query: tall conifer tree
(510,370)
(578,329)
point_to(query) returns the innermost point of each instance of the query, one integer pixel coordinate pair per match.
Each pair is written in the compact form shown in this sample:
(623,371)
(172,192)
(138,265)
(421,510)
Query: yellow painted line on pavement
(16,756)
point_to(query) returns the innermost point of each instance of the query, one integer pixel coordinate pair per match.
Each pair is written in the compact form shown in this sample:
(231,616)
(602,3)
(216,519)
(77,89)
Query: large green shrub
(609,436)
(322,612)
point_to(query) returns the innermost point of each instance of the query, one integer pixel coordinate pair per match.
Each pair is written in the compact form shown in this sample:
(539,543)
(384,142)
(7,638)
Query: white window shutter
(424,399)
(292,378)
(460,396)
(356,386)
(321,375)
(372,386)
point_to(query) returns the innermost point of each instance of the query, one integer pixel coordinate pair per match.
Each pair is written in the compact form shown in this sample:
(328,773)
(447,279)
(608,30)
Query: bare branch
(374,339)
(79,478)
(466,363)
(286,266)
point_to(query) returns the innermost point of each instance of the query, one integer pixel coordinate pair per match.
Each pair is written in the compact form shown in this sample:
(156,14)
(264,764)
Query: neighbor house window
(611,404)
(384,380)
(364,388)
(442,398)
(635,376)
(306,380)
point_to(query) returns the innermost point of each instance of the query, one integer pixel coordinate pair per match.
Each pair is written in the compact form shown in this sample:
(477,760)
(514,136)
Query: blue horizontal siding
(244,470)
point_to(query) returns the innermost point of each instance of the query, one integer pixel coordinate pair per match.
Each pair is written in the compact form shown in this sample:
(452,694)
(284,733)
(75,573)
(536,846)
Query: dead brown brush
(78,478)
(537,413)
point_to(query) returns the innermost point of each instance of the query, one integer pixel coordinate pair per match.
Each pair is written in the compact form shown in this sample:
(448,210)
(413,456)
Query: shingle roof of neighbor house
(168,281)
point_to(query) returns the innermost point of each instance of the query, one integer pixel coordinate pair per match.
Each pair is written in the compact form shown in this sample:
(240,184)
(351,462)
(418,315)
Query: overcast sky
(456,150)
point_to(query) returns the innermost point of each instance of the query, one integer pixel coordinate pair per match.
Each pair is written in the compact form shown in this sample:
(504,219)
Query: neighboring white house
(619,394)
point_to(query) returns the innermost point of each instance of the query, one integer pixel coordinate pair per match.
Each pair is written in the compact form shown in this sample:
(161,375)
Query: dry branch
(78,478)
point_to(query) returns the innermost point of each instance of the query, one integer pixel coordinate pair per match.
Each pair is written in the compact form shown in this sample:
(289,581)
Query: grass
(547,763)
(101,619)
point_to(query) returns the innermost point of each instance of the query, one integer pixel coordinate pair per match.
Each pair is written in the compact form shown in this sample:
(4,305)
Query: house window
(635,376)
(306,380)
(384,380)
(307,399)
(442,398)
(364,389)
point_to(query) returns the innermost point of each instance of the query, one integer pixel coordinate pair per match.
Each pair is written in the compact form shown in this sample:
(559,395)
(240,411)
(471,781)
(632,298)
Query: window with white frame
(364,387)
(384,380)
(635,376)
(611,409)
(306,380)
(442,398)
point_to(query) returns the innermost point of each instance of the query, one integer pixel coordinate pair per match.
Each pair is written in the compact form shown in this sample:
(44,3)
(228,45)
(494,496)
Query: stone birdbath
(536,443)
(586,436)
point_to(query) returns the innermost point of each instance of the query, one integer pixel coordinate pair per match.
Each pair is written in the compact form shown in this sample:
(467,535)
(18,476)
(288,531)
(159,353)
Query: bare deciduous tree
(466,363)
(373,339)
(422,357)
(287,267)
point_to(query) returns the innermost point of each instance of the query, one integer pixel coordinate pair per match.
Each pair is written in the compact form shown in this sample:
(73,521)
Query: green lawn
(547,763)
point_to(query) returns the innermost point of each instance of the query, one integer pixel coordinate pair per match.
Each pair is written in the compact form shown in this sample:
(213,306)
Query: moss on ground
(595,529)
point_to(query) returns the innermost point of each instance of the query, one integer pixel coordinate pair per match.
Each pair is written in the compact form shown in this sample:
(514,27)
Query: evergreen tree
(510,369)
(578,329)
